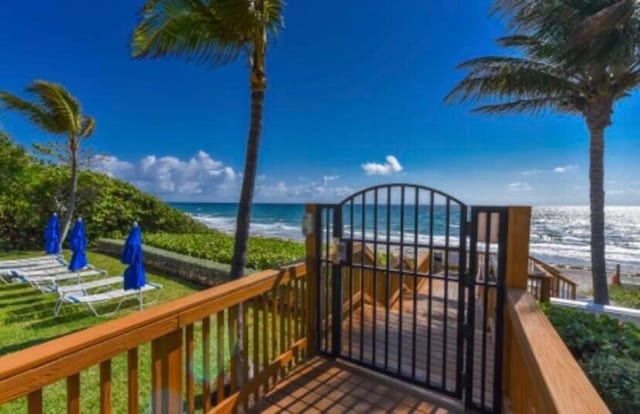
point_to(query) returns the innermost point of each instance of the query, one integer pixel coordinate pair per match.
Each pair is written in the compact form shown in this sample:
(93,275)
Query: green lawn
(26,319)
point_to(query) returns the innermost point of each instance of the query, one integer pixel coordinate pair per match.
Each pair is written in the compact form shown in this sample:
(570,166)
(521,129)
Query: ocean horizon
(559,234)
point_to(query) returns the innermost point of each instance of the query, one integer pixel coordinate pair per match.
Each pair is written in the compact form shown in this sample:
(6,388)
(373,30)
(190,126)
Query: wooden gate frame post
(516,275)
(312,281)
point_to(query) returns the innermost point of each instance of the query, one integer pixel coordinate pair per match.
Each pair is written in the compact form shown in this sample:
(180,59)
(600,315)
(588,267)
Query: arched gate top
(392,186)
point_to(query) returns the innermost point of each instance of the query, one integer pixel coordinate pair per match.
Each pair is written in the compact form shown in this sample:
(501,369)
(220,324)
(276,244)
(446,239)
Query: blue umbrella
(52,235)
(134,275)
(134,239)
(78,243)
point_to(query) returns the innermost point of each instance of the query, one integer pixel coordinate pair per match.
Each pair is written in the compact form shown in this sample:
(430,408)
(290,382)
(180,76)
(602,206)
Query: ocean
(559,235)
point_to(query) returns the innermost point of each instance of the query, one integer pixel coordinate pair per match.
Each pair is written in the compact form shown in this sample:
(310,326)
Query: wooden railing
(270,308)
(541,375)
(546,282)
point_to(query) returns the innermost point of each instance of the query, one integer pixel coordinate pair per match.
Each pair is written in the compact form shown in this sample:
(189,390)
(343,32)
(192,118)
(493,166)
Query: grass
(625,295)
(26,319)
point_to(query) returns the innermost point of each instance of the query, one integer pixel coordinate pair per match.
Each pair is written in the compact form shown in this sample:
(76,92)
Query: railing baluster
(233,338)
(245,353)
(206,363)
(296,315)
(132,380)
(105,387)
(274,330)
(265,339)
(220,352)
(191,403)
(34,402)
(73,394)
(157,392)
(283,323)
(255,311)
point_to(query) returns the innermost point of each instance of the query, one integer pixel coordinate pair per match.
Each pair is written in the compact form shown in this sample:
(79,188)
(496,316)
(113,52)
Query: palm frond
(87,127)
(186,28)
(507,77)
(33,112)
(533,106)
(60,104)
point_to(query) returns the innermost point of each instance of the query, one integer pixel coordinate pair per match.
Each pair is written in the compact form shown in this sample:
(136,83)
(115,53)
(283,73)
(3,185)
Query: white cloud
(170,176)
(519,187)
(531,172)
(564,168)
(391,166)
(328,178)
(311,191)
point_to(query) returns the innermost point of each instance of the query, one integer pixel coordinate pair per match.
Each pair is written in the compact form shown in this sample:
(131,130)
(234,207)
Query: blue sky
(354,99)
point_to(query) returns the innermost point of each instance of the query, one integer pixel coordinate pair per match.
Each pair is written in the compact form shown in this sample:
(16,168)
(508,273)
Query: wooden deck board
(434,352)
(327,386)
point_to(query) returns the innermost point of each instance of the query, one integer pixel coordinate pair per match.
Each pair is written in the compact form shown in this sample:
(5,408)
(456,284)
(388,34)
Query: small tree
(58,112)
(575,56)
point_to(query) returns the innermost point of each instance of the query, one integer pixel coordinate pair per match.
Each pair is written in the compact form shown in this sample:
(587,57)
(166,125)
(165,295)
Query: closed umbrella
(134,275)
(78,244)
(134,239)
(52,235)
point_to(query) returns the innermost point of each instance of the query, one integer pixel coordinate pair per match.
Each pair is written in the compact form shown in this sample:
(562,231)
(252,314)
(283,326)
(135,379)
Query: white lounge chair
(30,261)
(82,288)
(48,283)
(112,295)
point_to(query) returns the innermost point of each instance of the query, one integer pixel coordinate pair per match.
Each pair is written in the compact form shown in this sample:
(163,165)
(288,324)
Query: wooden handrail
(25,372)
(543,375)
(559,285)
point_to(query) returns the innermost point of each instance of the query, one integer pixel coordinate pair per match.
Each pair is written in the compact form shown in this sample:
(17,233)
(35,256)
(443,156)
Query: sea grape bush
(263,252)
(607,349)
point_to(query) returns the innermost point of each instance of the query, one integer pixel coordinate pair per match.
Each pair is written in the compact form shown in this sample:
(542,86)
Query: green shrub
(607,349)
(625,295)
(587,334)
(617,380)
(31,190)
(263,252)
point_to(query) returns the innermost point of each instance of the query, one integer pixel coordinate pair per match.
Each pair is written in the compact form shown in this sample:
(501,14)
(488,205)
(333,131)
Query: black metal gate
(411,281)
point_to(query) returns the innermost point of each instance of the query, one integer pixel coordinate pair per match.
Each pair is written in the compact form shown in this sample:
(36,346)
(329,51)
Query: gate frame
(468,233)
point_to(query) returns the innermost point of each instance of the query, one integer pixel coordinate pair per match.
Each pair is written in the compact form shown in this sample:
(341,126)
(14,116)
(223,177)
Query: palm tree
(58,112)
(217,32)
(575,56)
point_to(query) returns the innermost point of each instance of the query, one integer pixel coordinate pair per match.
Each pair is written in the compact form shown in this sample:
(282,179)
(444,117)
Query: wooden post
(545,289)
(312,282)
(167,373)
(518,247)
(516,276)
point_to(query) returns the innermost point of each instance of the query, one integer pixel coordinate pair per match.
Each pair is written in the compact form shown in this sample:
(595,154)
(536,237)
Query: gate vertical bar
(469,322)
(499,345)
(336,278)
(463,278)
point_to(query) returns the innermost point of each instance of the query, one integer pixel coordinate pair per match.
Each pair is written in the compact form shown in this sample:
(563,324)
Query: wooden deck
(328,386)
(430,355)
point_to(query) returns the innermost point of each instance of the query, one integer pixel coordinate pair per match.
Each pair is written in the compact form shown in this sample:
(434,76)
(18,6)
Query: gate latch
(339,251)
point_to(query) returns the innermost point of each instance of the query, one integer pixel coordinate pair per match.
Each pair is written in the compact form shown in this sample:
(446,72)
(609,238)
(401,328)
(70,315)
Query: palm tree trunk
(71,205)
(598,118)
(238,261)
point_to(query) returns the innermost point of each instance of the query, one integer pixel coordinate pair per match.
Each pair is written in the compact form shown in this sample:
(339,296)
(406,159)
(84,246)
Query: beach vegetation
(56,111)
(608,350)
(625,295)
(262,252)
(568,56)
(29,189)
